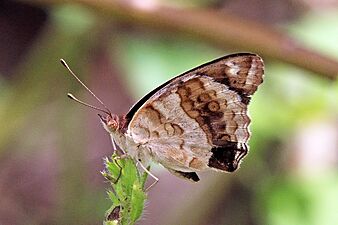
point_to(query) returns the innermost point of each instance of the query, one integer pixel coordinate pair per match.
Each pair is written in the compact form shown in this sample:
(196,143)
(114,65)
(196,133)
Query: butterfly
(194,122)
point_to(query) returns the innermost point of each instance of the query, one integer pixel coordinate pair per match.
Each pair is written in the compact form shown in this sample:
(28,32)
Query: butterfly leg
(120,169)
(192,176)
(149,173)
(120,152)
(109,177)
(115,159)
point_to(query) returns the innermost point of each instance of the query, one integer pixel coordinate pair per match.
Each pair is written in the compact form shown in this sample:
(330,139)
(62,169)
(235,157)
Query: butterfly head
(110,122)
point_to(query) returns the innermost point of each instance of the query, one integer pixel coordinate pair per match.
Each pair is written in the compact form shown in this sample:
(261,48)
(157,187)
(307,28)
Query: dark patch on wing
(228,156)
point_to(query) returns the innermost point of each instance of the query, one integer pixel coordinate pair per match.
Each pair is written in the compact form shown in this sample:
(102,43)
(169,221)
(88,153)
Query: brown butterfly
(194,122)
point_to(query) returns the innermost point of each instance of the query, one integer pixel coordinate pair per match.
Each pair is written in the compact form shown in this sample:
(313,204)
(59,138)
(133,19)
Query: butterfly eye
(112,124)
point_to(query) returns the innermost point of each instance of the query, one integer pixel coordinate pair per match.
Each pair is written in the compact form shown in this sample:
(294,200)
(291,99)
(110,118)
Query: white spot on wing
(234,69)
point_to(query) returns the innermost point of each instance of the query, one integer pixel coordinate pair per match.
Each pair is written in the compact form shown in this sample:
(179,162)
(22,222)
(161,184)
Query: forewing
(199,119)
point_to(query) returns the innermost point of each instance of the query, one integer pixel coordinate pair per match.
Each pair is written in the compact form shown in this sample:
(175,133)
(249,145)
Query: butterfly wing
(198,120)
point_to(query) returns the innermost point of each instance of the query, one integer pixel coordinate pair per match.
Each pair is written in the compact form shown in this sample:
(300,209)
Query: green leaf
(138,198)
(113,198)
(127,193)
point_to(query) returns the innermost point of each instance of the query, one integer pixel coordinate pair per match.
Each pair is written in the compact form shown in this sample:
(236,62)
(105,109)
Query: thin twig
(226,31)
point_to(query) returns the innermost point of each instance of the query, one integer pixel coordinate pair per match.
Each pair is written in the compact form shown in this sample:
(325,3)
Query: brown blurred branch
(224,30)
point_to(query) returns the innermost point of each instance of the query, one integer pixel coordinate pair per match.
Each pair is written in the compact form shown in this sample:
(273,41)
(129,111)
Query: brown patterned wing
(198,120)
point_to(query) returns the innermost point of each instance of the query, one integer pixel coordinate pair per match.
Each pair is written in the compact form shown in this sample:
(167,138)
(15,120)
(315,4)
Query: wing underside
(199,119)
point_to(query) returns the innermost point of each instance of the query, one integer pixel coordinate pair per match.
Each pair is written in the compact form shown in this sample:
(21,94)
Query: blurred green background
(51,149)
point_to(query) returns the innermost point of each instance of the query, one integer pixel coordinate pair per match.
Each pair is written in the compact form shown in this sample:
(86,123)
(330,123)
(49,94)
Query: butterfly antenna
(72,97)
(107,111)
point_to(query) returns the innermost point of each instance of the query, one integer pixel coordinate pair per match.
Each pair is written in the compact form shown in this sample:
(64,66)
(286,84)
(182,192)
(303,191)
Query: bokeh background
(52,149)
